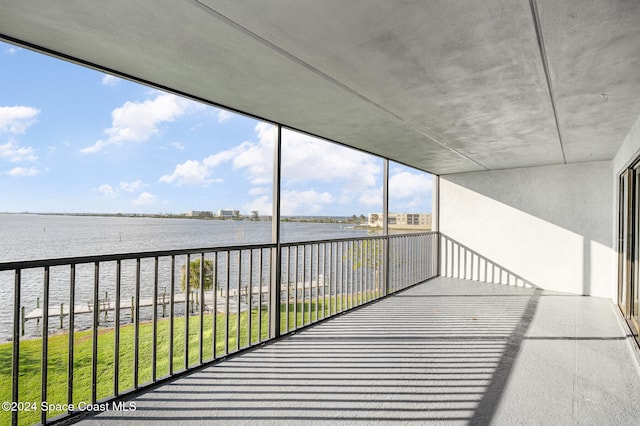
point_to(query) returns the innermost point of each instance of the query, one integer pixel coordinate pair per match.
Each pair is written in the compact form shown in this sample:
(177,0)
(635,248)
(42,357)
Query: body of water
(30,237)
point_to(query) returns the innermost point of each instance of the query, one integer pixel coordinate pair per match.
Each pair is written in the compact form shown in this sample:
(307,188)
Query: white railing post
(435,222)
(385,223)
(276,280)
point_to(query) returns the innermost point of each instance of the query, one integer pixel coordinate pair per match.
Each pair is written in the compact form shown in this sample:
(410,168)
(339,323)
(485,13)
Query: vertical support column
(116,328)
(385,223)
(71,341)
(435,220)
(276,281)
(154,319)
(94,334)
(202,272)
(44,367)
(15,346)
(187,284)
(136,324)
(172,288)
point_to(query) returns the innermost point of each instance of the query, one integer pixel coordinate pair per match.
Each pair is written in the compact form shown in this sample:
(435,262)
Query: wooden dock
(107,305)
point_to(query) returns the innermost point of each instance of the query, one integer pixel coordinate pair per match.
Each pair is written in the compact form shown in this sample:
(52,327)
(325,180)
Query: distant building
(199,213)
(402,220)
(228,213)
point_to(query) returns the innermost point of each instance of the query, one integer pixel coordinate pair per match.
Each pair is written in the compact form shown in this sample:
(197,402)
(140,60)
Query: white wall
(550,226)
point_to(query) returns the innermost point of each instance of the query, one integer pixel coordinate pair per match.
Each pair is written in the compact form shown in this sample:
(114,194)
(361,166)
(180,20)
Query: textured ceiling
(446,86)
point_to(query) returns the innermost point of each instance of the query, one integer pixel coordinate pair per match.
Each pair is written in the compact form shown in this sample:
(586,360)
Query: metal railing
(413,258)
(126,321)
(324,278)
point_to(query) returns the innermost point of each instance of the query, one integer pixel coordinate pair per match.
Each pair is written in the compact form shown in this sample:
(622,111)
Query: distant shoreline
(286,219)
(297,218)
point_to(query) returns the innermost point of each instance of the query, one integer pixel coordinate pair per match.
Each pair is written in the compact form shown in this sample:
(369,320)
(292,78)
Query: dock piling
(164,303)
(106,306)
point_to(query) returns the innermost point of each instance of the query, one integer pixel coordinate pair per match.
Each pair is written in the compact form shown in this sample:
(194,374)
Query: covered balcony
(521,306)
(447,351)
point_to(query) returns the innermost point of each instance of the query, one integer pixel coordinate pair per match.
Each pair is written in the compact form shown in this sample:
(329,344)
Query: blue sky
(77,140)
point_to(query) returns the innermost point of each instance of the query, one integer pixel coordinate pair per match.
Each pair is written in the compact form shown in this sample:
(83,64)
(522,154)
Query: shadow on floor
(419,356)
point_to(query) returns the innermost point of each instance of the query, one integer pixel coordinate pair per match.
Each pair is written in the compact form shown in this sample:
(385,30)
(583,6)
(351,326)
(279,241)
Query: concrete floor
(448,352)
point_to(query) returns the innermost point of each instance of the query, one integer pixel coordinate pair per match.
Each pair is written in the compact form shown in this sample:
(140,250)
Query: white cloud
(371,197)
(224,116)
(307,158)
(12,50)
(21,171)
(16,119)
(139,121)
(304,158)
(259,190)
(304,202)
(192,173)
(410,191)
(257,157)
(407,184)
(262,204)
(132,186)
(94,148)
(144,198)
(258,160)
(107,191)
(14,153)
(224,156)
(178,146)
(266,133)
(110,80)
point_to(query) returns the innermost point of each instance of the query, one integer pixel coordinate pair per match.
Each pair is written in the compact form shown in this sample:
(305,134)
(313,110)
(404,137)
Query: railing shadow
(408,358)
(138,348)
(460,261)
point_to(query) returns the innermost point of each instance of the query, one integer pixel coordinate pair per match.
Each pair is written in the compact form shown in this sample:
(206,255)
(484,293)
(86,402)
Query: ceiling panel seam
(292,57)
(422,132)
(545,65)
(325,76)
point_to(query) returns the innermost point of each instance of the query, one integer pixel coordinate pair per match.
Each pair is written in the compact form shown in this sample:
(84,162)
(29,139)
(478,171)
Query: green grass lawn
(57,367)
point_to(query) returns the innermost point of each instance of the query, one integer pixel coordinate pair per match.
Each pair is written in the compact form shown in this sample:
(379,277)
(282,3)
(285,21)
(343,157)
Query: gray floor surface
(445,352)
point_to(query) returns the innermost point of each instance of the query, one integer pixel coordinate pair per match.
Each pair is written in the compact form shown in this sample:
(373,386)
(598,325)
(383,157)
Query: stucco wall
(549,226)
